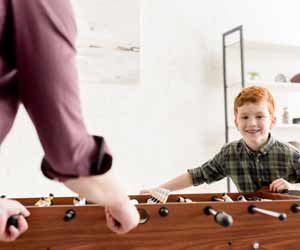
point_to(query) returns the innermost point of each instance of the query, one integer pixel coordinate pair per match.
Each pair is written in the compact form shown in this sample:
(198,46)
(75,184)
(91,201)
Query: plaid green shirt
(250,170)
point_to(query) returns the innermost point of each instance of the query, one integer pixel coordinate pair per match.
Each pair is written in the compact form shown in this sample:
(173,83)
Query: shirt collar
(263,150)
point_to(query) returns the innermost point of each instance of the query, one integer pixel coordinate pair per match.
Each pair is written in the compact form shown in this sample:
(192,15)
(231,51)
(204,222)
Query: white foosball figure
(78,201)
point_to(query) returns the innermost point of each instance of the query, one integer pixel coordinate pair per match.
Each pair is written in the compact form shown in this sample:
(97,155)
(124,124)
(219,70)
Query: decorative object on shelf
(280,78)
(253,75)
(296,78)
(296,120)
(285,116)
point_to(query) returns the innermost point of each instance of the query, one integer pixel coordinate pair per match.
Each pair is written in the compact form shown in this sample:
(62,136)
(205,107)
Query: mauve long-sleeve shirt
(38,69)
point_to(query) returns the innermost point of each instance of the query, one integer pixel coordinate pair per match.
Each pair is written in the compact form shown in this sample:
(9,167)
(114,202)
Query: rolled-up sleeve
(296,165)
(44,36)
(211,171)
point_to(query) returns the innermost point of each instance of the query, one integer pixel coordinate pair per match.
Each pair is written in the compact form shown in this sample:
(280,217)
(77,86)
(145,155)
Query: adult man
(38,69)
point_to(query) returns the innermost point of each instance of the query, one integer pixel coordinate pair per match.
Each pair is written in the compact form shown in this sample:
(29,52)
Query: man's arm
(48,87)
(106,190)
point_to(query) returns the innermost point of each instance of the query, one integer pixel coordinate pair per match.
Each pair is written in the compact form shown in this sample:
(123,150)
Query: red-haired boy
(254,161)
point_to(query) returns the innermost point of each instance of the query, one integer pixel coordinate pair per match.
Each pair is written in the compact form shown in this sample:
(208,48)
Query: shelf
(283,86)
(256,45)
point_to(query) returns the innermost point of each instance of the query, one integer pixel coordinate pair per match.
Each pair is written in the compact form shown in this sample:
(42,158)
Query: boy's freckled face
(254,122)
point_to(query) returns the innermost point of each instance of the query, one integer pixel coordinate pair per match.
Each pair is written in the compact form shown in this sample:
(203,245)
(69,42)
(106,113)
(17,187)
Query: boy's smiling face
(254,122)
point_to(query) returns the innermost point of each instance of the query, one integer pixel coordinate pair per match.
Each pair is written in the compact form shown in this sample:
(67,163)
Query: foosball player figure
(226,197)
(45,201)
(78,201)
(152,200)
(134,201)
(181,199)
(241,198)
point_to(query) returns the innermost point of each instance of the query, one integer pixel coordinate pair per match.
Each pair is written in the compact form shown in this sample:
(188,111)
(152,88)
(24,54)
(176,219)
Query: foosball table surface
(273,224)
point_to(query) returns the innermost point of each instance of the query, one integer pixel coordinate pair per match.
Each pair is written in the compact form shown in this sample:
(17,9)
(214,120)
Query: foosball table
(239,221)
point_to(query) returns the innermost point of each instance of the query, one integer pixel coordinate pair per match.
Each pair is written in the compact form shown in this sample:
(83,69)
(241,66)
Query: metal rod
(215,198)
(254,209)
(229,32)
(233,30)
(221,218)
(225,90)
(210,211)
(225,100)
(242,57)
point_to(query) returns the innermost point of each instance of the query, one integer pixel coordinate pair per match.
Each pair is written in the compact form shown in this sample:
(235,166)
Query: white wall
(173,119)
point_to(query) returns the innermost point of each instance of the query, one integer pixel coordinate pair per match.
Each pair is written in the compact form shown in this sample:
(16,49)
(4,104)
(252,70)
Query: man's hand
(107,191)
(279,185)
(121,219)
(9,208)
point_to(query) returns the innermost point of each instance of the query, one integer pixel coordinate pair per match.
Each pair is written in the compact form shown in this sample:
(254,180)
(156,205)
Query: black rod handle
(221,218)
(69,215)
(253,209)
(12,221)
(295,208)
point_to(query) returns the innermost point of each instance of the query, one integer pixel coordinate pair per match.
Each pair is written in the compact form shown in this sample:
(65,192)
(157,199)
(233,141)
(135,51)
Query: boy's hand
(9,208)
(279,185)
(159,193)
(123,218)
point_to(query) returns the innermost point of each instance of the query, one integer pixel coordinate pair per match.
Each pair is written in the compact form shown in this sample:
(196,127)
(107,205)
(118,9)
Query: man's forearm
(103,189)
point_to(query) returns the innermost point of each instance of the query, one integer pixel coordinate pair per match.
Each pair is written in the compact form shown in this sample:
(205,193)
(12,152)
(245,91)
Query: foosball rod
(221,218)
(253,209)
(215,198)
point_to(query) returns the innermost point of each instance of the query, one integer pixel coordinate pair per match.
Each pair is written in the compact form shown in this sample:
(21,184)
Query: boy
(254,161)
